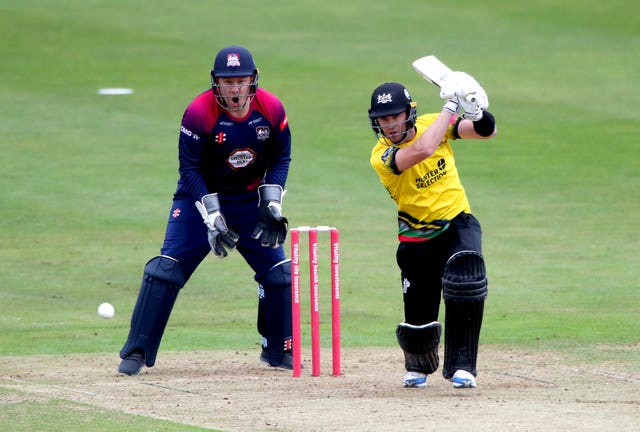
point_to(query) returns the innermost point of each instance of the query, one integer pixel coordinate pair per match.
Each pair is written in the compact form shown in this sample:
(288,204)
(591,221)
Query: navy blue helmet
(230,62)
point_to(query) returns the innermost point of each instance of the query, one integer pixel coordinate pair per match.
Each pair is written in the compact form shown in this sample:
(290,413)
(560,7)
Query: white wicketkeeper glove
(220,237)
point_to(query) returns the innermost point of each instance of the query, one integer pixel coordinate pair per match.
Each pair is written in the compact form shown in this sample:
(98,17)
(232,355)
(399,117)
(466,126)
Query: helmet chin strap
(405,135)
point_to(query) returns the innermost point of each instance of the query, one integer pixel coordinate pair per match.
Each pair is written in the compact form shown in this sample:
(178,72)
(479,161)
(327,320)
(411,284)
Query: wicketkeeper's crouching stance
(440,241)
(234,151)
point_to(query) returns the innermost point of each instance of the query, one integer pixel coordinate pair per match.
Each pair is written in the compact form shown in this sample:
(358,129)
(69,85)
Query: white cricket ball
(106,310)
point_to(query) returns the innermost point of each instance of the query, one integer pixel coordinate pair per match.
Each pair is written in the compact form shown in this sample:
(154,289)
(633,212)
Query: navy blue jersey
(218,153)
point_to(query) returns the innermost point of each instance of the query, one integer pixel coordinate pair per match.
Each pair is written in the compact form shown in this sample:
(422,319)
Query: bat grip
(470,97)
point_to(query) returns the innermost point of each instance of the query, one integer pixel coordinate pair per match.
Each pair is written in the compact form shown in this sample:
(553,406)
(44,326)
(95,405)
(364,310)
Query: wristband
(454,131)
(486,125)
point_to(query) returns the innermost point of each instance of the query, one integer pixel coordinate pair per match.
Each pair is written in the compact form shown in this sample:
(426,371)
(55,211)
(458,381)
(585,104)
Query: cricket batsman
(440,249)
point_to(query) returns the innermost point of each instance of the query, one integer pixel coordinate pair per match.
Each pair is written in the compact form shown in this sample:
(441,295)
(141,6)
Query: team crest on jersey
(241,158)
(262,133)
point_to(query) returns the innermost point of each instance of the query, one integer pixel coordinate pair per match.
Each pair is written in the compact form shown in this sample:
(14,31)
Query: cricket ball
(105,310)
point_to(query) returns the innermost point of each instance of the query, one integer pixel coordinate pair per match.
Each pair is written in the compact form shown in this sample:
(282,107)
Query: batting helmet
(391,98)
(233,61)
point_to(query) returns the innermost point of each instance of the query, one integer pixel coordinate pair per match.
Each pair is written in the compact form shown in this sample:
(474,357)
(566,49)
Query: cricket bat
(436,72)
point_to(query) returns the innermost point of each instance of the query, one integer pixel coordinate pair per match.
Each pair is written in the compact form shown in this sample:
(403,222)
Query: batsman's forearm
(426,144)
(479,129)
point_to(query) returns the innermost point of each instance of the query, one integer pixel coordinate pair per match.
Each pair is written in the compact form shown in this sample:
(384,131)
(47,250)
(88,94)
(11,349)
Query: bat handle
(471,98)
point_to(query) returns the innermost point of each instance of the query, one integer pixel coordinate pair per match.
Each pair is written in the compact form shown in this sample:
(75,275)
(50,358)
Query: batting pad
(420,346)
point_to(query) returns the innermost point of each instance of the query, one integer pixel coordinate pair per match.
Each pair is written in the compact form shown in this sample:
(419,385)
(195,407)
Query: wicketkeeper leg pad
(465,288)
(274,311)
(162,280)
(420,346)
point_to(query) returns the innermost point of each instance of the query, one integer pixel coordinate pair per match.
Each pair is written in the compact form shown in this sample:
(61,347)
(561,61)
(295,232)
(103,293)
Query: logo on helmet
(233,60)
(384,98)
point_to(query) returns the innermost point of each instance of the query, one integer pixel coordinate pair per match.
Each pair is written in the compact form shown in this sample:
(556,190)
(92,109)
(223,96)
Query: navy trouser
(186,234)
(186,242)
(422,265)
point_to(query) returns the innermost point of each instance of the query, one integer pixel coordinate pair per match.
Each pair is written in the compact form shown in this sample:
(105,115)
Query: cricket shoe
(414,379)
(463,379)
(285,364)
(132,364)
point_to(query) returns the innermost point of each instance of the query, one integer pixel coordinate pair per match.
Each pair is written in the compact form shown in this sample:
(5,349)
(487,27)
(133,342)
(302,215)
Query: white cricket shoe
(414,379)
(463,379)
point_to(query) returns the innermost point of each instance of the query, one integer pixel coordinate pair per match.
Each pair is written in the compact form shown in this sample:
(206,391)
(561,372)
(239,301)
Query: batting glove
(452,105)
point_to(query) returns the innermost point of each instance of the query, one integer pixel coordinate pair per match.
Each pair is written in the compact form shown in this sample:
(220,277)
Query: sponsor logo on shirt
(220,137)
(188,133)
(432,176)
(241,158)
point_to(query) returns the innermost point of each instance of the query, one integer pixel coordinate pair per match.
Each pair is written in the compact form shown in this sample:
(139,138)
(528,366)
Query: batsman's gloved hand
(448,93)
(272,226)
(470,110)
(467,92)
(452,105)
(471,96)
(221,238)
(449,87)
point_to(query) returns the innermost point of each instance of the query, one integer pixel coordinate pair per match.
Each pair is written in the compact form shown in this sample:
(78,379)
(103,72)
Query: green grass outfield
(87,179)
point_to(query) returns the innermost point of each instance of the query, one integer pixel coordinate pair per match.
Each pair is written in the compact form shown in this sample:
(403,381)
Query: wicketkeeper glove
(221,238)
(272,226)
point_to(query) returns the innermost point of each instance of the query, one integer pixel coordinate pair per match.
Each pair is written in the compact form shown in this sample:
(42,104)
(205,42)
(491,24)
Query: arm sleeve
(383,159)
(278,168)
(280,151)
(190,148)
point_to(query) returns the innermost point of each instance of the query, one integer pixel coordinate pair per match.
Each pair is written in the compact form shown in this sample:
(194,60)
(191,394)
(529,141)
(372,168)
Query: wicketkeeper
(440,250)
(234,152)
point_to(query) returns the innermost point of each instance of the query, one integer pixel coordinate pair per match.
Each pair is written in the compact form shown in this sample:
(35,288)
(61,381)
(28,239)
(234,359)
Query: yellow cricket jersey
(429,194)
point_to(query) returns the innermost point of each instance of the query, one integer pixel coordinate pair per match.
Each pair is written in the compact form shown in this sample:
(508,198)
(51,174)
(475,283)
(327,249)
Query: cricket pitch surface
(233,392)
